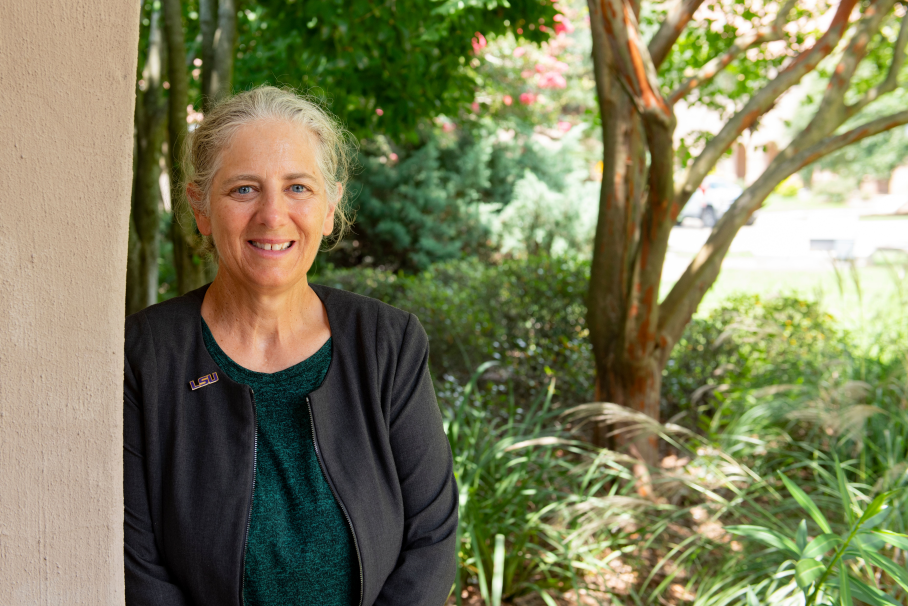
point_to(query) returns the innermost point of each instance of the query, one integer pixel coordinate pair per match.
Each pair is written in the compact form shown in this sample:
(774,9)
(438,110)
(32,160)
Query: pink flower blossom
(479,43)
(519,30)
(543,28)
(519,52)
(552,80)
(527,98)
(526,74)
(448,127)
(508,99)
(563,24)
(192,116)
(475,107)
(393,156)
(564,126)
(380,111)
(550,64)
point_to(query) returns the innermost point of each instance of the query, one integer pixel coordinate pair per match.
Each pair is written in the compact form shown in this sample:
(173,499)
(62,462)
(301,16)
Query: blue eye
(244,189)
(298,189)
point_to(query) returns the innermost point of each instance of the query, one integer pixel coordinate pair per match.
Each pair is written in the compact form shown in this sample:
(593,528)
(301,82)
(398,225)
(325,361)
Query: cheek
(227,222)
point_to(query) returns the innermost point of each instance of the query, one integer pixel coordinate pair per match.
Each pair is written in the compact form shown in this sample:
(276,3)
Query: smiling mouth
(271,246)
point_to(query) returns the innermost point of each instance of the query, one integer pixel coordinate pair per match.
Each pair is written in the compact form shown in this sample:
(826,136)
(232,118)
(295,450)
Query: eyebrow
(251,177)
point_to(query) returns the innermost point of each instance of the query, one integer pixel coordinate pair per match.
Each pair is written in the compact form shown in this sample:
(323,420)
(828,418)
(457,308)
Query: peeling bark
(632,334)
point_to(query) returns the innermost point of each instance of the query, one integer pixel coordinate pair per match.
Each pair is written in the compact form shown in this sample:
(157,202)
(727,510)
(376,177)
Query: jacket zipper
(318,455)
(255,456)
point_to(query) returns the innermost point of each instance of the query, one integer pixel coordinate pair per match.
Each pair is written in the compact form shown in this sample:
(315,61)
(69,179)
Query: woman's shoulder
(346,308)
(168,319)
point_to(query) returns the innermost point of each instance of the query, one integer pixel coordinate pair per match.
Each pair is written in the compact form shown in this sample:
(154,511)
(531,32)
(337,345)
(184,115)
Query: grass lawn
(775,203)
(856,297)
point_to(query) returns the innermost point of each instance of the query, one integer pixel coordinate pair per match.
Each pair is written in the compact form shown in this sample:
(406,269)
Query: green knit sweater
(300,550)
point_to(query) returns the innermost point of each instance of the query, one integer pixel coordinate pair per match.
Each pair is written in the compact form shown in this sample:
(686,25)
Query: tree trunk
(142,287)
(624,279)
(208,19)
(631,332)
(187,260)
(218,22)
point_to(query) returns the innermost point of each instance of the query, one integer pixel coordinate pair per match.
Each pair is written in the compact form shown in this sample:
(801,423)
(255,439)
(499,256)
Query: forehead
(268,146)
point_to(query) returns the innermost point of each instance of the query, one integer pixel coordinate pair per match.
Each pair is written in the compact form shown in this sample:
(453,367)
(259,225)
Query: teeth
(266,246)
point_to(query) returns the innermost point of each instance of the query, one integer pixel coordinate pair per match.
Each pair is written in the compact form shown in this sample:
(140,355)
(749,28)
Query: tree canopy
(384,66)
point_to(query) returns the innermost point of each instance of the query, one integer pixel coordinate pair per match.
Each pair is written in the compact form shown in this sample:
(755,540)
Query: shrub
(526,314)
(420,204)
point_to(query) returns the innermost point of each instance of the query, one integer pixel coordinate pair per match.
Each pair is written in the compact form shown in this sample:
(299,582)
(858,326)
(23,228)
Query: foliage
(385,66)
(420,204)
(516,470)
(413,210)
(820,567)
(548,88)
(526,314)
(875,157)
(753,341)
(795,397)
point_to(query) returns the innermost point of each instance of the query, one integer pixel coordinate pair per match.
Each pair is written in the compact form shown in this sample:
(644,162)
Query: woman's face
(269,206)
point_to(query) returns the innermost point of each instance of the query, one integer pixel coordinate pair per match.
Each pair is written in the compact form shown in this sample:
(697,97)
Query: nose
(272,208)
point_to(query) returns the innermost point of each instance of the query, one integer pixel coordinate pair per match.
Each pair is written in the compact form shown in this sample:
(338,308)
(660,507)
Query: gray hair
(333,151)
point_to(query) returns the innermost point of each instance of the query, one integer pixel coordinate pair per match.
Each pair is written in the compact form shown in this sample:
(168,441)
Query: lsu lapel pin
(203,381)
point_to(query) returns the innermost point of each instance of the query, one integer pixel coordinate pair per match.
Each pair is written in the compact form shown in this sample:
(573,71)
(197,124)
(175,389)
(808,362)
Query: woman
(282,442)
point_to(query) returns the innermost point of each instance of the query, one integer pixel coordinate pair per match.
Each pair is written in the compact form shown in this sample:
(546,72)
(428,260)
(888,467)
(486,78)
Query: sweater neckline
(262,378)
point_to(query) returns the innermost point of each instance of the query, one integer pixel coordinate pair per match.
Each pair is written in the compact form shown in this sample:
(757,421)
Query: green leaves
(893,538)
(817,573)
(844,588)
(801,536)
(869,594)
(804,501)
(820,545)
(807,572)
(767,536)
(407,59)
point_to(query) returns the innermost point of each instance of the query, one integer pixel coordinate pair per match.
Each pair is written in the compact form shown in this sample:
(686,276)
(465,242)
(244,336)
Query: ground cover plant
(782,465)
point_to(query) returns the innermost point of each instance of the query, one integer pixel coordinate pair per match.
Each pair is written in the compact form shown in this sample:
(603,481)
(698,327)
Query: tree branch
(632,61)
(740,45)
(832,112)
(717,64)
(684,297)
(763,101)
(892,77)
(675,21)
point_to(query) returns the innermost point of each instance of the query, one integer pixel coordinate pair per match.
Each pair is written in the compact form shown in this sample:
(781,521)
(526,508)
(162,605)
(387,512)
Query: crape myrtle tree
(383,68)
(740,57)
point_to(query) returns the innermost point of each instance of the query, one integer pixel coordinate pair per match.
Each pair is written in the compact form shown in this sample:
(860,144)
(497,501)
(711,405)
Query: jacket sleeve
(147,580)
(425,570)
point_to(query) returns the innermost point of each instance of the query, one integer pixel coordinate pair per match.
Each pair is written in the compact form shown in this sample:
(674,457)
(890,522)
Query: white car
(710,201)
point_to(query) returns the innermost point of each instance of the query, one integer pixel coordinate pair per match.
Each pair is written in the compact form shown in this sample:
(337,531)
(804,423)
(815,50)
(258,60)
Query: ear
(195,198)
(328,225)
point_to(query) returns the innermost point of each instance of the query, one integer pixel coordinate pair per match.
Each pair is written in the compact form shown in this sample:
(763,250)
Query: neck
(258,317)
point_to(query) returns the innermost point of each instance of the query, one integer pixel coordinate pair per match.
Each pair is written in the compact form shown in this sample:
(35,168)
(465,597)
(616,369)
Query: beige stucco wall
(67,77)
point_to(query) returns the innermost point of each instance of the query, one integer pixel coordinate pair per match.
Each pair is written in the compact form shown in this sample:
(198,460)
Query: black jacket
(189,457)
